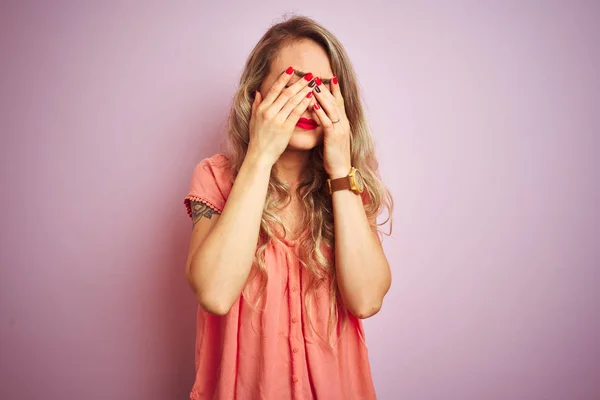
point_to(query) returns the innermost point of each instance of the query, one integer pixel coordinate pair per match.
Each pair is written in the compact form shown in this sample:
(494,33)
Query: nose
(309,112)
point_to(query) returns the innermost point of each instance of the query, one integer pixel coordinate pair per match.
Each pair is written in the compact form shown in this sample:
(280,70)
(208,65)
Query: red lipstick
(307,124)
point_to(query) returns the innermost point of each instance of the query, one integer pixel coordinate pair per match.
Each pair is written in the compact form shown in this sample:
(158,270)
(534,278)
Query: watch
(353,182)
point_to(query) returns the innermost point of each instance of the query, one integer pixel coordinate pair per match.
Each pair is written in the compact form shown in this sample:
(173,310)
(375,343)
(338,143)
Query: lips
(307,124)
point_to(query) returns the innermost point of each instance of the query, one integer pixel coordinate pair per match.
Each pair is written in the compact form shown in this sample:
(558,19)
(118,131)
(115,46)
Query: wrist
(339,173)
(257,161)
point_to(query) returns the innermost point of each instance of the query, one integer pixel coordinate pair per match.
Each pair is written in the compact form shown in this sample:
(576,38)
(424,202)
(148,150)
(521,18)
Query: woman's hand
(274,118)
(331,113)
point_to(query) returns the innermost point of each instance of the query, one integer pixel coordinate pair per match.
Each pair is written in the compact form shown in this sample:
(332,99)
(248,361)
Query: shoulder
(217,166)
(211,182)
(218,161)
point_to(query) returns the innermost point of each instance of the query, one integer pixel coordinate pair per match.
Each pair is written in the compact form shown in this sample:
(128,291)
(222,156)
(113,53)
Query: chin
(306,140)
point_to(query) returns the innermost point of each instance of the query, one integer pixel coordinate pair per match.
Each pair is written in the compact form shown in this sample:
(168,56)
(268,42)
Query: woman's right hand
(274,118)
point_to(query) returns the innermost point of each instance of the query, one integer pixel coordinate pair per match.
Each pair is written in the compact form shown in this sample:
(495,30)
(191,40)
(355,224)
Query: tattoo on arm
(200,210)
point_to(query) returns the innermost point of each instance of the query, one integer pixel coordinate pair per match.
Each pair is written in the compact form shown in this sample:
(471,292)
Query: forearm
(363,273)
(221,265)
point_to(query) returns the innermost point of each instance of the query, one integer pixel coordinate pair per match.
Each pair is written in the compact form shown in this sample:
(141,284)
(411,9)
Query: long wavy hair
(316,202)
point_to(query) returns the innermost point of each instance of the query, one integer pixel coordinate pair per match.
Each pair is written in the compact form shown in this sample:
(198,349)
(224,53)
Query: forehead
(306,56)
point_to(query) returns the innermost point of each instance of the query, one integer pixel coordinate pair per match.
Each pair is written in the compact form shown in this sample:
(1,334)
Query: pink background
(486,120)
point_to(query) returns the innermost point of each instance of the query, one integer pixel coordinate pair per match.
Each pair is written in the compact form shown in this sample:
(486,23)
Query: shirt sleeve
(366,198)
(207,184)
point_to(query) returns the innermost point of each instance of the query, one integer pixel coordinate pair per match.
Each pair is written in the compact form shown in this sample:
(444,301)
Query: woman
(285,256)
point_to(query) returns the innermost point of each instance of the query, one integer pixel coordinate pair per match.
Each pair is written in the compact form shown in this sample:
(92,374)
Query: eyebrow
(302,73)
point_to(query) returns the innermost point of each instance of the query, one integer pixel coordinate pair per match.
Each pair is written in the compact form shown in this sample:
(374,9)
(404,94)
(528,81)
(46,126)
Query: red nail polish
(308,77)
(289,71)
(318,81)
(309,95)
(334,80)
(317,106)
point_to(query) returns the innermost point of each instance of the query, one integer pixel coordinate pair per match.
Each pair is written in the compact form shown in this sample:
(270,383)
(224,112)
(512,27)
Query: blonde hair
(316,201)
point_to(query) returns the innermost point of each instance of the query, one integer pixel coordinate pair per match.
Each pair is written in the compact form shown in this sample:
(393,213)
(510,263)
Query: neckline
(293,242)
(290,242)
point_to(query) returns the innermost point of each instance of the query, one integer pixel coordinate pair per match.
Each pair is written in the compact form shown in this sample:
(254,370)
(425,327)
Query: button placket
(295,336)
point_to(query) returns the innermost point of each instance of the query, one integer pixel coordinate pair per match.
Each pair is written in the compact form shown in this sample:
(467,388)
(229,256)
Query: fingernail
(289,71)
(318,81)
(317,88)
(308,76)
(311,84)
(316,106)
(309,95)
(334,80)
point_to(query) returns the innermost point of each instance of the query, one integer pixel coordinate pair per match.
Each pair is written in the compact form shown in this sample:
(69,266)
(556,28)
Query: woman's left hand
(329,108)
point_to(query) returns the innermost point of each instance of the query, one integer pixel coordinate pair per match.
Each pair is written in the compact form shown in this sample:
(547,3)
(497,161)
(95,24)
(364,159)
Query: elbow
(214,306)
(364,305)
(365,311)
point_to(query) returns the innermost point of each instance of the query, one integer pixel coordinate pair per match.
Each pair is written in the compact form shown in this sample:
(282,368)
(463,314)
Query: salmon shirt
(272,352)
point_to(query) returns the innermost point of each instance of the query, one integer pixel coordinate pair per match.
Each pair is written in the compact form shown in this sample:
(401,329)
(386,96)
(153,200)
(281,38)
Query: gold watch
(353,182)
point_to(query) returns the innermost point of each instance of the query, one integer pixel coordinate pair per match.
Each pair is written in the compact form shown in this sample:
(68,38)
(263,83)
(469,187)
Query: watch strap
(342,183)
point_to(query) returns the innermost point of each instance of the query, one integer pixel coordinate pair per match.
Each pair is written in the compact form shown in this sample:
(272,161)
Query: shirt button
(295,289)
(294,320)
(295,380)
(295,349)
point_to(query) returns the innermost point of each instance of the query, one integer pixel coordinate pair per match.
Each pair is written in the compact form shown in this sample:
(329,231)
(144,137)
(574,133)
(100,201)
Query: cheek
(266,85)
(263,89)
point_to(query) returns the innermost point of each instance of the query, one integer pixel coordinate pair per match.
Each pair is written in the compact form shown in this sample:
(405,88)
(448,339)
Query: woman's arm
(222,246)
(363,272)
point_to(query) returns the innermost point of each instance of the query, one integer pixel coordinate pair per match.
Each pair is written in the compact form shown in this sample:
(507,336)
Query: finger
(256,102)
(314,112)
(278,86)
(305,93)
(297,111)
(324,120)
(326,100)
(335,90)
(291,91)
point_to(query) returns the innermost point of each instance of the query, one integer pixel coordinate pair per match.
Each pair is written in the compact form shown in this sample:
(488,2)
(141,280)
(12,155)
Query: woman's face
(305,56)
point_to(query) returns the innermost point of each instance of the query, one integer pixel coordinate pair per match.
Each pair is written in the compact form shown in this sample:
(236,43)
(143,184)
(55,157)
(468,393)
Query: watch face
(358,180)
